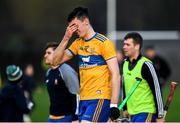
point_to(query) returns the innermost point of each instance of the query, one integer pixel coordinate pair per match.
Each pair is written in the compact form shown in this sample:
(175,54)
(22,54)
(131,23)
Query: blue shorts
(67,118)
(94,110)
(143,117)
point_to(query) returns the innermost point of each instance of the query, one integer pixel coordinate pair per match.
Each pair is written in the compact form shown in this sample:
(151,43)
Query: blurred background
(26,26)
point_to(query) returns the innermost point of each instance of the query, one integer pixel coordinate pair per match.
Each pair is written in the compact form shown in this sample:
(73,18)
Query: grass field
(40,112)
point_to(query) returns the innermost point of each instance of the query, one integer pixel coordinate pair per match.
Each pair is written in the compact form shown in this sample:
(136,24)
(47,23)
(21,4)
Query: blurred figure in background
(28,81)
(160,64)
(28,86)
(63,86)
(120,58)
(13,103)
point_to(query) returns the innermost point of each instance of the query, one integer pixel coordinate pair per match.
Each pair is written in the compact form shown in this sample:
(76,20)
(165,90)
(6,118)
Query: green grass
(40,113)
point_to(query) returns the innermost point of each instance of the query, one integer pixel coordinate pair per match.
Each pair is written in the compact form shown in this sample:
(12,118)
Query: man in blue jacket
(13,103)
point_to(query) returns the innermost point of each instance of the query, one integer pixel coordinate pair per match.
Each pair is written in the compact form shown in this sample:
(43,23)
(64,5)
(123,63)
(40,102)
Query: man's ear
(86,21)
(137,47)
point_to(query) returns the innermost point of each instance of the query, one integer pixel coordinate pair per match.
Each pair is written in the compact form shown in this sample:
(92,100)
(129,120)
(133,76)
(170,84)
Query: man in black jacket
(13,103)
(63,85)
(161,65)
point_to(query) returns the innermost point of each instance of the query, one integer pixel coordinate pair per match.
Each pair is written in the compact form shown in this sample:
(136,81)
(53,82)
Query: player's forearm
(59,52)
(115,88)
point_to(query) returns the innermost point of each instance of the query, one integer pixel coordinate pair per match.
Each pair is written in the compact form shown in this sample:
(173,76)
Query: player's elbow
(117,75)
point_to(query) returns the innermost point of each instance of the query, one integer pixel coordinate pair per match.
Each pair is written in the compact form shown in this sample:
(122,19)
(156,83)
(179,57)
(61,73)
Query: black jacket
(62,102)
(12,103)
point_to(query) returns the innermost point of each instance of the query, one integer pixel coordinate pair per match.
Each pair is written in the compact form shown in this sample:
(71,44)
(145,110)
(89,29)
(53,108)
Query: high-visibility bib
(142,99)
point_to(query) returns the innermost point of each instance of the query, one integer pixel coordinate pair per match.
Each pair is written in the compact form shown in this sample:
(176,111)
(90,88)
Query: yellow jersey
(95,77)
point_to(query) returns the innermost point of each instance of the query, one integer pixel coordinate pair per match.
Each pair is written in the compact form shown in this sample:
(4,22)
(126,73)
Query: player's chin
(47,62)
(81,35)
(126,54)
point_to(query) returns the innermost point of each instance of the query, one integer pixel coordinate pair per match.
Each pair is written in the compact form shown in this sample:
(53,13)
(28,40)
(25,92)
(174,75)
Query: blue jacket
(12,103)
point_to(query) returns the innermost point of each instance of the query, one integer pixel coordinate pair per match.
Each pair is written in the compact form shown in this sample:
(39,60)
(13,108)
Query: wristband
(113,105)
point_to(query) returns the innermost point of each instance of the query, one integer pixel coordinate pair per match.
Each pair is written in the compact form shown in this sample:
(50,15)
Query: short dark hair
(137,38)
(53,45)
(78,12)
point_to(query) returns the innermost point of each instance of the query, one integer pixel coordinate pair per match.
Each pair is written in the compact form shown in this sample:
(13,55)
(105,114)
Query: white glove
(30,105)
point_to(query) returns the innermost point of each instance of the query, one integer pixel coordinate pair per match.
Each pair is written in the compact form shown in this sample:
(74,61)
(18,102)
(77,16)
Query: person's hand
(160,120)
(70,30)
(125,114)
(30,105)
(114,113)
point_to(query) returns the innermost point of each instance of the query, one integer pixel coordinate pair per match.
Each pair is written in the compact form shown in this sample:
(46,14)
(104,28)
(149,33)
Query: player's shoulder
(48,71)
(101,37)
(65,67)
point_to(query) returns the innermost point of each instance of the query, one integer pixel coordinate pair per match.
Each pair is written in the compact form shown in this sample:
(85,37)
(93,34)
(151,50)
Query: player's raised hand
(70,30)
